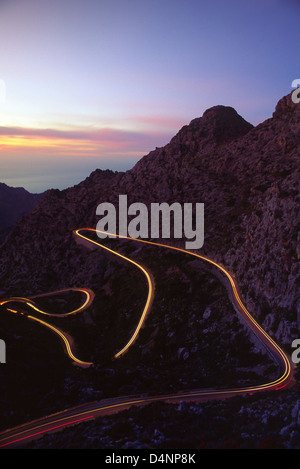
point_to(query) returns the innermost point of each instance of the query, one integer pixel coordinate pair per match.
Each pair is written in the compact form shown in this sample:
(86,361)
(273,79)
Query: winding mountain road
(15,436)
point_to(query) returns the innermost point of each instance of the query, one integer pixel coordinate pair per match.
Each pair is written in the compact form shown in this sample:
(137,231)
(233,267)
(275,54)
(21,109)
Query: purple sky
(88,84)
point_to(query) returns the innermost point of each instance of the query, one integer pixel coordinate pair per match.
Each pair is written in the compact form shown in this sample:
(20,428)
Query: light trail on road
(108,406)
(149,282)
(65,338)
(257,329)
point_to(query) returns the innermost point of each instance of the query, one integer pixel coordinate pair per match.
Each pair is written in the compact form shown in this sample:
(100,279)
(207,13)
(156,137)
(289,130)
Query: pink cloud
(90,139)
(105,134)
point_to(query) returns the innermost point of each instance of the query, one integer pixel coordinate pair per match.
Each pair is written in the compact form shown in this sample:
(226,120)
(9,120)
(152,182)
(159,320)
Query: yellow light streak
(89,296)
(254,325)
(65,340)
(258,330)
(149,296)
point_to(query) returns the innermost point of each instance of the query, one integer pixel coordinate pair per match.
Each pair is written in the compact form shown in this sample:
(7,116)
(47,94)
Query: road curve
(55,422)
(66,339)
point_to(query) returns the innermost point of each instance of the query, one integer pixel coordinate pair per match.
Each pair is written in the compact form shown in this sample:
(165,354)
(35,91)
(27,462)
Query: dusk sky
(88,84)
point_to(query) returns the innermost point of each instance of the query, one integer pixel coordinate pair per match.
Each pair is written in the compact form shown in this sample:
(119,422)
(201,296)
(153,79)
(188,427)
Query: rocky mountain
(14,203)
(248,179)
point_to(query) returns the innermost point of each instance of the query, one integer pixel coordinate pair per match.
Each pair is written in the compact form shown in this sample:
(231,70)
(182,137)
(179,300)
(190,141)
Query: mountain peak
(218,124)
(219,111)
(226,123)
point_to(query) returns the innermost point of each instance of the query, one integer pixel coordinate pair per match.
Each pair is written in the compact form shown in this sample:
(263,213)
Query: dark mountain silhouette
(14,203)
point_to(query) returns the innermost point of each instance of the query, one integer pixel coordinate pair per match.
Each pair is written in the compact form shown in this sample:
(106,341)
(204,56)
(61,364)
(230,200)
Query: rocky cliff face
(248,179)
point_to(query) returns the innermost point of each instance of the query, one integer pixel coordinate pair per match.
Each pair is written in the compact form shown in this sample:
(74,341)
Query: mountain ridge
(14,203)
(246,176)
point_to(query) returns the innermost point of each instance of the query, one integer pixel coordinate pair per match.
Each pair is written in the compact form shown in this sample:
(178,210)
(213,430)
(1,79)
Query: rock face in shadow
(248,179)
